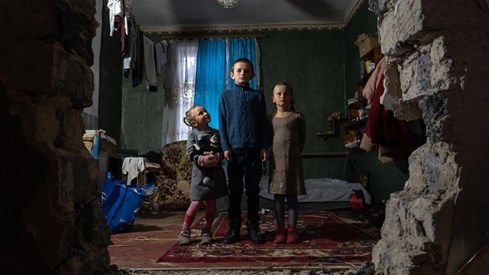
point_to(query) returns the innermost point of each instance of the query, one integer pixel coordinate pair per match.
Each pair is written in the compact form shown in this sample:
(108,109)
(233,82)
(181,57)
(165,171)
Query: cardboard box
(369,66)
(366,43)
(107,143)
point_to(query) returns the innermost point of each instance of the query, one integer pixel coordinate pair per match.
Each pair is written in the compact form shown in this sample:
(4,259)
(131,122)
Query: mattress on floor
(322,190)
(322,194)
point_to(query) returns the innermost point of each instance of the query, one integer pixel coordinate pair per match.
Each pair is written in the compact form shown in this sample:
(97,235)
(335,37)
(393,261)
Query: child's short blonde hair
(190,116)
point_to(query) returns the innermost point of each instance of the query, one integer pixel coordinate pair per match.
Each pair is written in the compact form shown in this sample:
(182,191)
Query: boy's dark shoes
(233,236)
(254,232)
(255,236)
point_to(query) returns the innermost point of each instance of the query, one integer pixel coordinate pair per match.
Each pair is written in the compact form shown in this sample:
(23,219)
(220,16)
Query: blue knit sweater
(243,119)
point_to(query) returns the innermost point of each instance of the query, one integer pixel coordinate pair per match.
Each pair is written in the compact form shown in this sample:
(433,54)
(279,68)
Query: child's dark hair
(244,60)
(188,115)
(290,90)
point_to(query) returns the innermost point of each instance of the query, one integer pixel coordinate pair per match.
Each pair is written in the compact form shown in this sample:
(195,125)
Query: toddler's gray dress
(199,190)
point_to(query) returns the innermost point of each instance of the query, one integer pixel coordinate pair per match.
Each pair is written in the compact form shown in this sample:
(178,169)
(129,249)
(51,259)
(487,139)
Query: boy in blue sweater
(243,129)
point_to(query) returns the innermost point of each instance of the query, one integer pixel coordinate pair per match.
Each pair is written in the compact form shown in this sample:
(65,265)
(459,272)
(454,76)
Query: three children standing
(246,134)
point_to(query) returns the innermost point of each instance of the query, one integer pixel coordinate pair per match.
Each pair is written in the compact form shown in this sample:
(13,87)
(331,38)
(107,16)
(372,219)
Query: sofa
(172,184)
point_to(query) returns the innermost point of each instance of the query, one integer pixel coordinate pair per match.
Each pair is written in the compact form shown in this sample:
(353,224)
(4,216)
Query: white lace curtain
(179,85)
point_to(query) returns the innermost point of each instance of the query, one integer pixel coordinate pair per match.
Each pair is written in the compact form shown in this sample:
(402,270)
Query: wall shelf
(356,123)
(334,129)
(358,104)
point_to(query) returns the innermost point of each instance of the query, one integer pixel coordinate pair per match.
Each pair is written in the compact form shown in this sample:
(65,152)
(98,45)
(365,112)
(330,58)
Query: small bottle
(109,176)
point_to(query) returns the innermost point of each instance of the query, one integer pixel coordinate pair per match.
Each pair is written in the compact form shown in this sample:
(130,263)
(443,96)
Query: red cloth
(382,127)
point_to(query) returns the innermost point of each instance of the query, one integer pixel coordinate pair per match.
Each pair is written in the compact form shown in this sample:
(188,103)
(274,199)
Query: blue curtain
(241,47)
(211,71)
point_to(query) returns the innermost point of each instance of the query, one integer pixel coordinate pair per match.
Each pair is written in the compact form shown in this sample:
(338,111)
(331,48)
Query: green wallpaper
(141,120)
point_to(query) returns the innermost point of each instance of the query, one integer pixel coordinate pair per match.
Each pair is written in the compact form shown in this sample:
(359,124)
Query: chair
(173,180)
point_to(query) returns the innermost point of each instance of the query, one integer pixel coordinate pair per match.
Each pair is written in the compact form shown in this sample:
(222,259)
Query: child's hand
(264,155)
(228,156)
(217,155)
(208,160)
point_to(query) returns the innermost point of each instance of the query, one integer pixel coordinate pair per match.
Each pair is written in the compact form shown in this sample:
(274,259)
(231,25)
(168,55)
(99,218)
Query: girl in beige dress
(286,173)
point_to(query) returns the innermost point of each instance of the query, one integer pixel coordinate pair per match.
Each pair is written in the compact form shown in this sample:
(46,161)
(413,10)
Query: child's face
(242,73)
(201,117)
(282,96)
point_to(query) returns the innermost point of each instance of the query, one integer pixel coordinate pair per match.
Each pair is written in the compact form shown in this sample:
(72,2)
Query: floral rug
(325,237)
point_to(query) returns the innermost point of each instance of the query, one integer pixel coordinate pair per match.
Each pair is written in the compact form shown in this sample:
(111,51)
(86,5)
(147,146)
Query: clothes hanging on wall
(374,81)
(137,54)
(160,56)
(393,137)
(119,22)
(149,63)
(115,9)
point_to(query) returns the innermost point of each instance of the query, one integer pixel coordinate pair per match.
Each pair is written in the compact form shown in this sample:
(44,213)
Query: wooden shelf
(356,123)
(333,132)
(360,103)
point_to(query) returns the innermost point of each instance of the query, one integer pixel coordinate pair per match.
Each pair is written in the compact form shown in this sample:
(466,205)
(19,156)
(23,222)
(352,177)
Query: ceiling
(208,15)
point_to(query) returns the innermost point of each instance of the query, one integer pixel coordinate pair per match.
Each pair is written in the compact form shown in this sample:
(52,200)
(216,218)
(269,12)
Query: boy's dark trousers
(247,163)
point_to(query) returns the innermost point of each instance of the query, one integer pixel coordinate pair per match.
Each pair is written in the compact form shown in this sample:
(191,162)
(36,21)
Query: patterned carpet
(325,237)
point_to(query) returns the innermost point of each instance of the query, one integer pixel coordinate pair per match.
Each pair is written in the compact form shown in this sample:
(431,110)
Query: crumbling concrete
(53,222)
(437,223)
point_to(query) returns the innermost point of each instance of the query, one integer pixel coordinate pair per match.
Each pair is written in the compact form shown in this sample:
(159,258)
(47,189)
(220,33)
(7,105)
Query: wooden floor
(152,235)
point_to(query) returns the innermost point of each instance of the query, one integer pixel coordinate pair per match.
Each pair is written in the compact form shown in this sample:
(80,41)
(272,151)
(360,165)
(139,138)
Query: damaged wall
(438,53)
(51,217)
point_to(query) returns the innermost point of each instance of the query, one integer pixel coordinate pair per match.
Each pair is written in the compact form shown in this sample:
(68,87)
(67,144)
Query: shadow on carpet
(325,237)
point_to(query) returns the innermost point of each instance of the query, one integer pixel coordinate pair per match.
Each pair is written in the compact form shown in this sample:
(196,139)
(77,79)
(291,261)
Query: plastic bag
(121,203)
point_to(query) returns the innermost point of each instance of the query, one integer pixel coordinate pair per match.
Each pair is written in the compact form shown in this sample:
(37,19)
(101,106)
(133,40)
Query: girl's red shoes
(286,236)
(292,236)
(281,236)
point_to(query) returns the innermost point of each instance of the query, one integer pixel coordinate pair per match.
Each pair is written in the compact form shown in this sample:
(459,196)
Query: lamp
(228,3)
